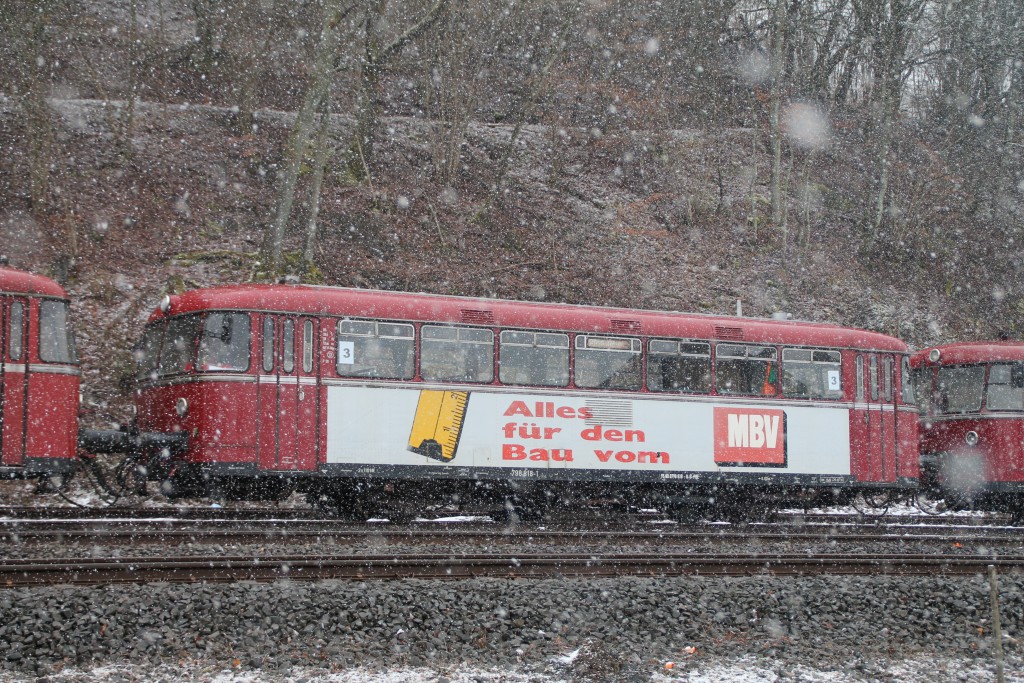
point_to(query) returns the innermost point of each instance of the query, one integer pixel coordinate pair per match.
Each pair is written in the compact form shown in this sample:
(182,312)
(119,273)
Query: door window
(288,361)
(307,346)
(873,376)
(268,344)
(17,330)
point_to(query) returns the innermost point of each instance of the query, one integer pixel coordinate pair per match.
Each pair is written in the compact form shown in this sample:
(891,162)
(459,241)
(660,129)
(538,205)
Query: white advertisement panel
(427,427)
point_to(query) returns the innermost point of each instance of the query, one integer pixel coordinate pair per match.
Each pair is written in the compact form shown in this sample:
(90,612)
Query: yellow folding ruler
(438,423)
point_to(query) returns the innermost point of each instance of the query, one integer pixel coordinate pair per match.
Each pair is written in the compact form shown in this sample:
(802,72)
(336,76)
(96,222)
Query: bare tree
(778,46)
(892,24)
(28,31)
(247,38)
(316,99)
(470,36)
(545,56)
(377,54)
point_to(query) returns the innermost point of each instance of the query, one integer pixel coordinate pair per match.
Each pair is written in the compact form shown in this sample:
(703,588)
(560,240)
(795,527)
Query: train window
(268,344)
(907,378)
(147,351)
(860,377)
(17,332)
(608,362)
(56,341)
(456,354)
(887,379)
(679,366)
(959,389)
(225,342)
(746,370)
(812,373)
(873,376)
(1005,387)
(367,348)
(288,353)
(539,358)
(307,346)
(179,346)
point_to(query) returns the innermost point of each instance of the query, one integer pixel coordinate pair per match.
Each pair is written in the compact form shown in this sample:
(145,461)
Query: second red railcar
(39,377)
(972,422)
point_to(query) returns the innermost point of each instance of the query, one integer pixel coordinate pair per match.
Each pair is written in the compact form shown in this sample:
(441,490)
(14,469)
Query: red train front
(972,422)
(39,377)
(394,397)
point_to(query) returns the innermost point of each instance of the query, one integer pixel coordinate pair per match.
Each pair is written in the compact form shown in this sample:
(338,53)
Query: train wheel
(872,504)
(930,506)
(338,506)
(688,515)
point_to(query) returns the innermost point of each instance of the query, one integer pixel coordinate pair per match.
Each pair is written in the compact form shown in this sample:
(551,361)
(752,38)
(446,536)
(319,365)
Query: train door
(889,433)
(874,417)
(307,436)
(879,417)
(278,387)
(865,426)
(13,379)
(288,396)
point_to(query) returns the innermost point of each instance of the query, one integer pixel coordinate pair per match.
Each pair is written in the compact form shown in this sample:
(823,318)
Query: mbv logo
(751,437)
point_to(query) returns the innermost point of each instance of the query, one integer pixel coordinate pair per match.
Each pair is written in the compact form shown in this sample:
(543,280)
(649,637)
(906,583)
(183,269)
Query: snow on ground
(745,670)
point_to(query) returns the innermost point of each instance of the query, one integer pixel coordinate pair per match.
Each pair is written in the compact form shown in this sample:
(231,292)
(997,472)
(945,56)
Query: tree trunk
(315,98)
(774,116)
(38,117)
(205,30)
(359,157)
(324,150)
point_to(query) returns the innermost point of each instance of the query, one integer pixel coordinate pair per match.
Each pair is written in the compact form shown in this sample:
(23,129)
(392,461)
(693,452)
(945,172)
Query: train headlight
(181,406)
(971,438)
(934,355)
(165,304)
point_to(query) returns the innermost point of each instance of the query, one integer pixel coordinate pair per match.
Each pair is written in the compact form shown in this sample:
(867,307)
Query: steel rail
(249,532)
(268,512)
(90,571)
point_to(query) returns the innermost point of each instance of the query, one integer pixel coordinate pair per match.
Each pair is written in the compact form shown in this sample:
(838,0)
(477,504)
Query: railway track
(13,513)
(165,532)
(88,571)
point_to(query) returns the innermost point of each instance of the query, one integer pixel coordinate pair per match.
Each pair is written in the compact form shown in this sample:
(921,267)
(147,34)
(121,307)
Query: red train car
(39,377)
(972,422)
(378,400)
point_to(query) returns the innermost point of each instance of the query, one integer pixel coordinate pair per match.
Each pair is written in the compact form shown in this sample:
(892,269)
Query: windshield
(1005,387)
(959,389)
(225,342)
(178,352)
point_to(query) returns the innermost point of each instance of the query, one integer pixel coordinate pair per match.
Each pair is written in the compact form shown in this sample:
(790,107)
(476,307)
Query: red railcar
(373,398)
(39,377)
(972,421)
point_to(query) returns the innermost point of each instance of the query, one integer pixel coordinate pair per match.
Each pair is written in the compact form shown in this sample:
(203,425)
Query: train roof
(14,281)
(419,307)
(963,353)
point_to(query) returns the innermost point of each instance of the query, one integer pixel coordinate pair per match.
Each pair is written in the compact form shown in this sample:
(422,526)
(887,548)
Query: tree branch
(401,41)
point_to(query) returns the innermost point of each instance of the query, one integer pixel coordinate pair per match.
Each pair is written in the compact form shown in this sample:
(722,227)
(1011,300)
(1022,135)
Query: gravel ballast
(630,626)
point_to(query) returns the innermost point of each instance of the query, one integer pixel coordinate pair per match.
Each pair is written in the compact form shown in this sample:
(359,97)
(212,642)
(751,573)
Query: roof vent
(477,317)
(626,326)
(729,333)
